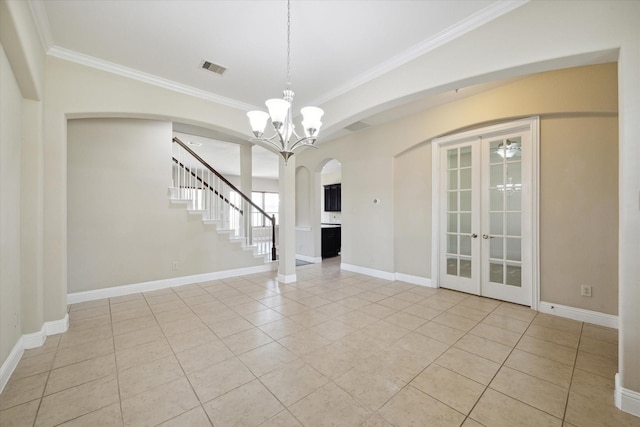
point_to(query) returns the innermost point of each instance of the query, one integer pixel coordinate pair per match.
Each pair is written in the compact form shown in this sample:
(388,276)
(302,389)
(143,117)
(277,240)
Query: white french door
(486,219)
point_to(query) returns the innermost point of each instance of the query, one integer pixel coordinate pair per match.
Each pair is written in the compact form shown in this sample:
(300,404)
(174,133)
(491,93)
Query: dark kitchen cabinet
(331,241)
(332,198)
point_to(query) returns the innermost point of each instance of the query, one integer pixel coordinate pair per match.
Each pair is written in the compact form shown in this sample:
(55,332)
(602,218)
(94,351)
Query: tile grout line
(573,371)
(498,370)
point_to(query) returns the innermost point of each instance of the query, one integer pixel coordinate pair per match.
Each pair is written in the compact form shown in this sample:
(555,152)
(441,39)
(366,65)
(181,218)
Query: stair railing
(220,202)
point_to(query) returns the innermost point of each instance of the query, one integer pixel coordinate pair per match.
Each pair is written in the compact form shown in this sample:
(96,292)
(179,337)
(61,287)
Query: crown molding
(110,67)
(489,13)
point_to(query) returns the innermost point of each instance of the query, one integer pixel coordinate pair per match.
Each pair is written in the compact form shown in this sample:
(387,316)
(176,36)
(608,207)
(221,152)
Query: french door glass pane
(514,275)
(465,157)
(514,174)
(496,272)
(495,223)
(514,200)
(453,180)
(465,179)
(496,176)
(465,268)
(496,202)
(452,243)
(465,223)
(465,245)
(514,227)
(452,219)
(513,249)
(496,248)
(452,155)
(452,201)
(494,157)
(452,266)
(465,201)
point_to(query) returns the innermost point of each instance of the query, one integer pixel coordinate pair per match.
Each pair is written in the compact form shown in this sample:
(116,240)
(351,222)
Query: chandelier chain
(289,44)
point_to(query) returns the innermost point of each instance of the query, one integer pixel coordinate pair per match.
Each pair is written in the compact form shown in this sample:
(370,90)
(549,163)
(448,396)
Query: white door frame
(531,124)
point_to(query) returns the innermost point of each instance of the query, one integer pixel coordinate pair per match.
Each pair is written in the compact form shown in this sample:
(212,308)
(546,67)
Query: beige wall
(579,211)
(10,223)
(412,211)
(121,226)
(395,235)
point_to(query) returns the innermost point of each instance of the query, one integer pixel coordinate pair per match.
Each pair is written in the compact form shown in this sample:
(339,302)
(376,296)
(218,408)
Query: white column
(246,169)
(287,230)
(627,394)
(246,186)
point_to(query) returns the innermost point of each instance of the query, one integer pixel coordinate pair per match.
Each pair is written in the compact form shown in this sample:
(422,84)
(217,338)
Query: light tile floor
(335,348)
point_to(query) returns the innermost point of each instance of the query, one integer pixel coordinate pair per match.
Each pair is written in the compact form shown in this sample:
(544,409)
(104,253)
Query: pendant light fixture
(285,139)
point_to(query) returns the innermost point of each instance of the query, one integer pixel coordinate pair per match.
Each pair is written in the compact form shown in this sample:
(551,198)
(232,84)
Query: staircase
(206,192)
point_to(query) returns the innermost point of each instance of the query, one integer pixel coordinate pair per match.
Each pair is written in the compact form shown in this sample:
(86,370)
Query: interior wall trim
(368,271)
(626,400)
(579,314)
(414,280)
(28,341)
(10,363)
(154,285)
(287,278)
(312,259)
(407,278)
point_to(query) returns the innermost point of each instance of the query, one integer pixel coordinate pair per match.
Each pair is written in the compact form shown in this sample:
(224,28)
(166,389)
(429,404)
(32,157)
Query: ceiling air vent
(353,127)
(214,68)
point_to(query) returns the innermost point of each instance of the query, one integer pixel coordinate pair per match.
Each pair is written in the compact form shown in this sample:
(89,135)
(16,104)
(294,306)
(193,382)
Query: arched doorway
(331,209)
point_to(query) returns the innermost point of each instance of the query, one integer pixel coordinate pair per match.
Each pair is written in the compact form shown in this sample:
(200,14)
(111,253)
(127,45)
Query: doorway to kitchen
(331,209)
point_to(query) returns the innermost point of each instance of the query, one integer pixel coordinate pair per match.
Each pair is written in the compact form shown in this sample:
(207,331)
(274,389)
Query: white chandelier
(285,139)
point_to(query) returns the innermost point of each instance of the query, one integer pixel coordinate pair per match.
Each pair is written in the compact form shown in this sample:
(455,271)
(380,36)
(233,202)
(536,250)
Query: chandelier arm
(302,142)
(266,141)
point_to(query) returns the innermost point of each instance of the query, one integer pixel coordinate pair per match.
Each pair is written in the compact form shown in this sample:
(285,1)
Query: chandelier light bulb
(258,121)
(278,109)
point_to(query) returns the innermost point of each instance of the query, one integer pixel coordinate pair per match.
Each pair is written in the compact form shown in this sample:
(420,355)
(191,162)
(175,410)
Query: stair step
(180,201)
(196,211)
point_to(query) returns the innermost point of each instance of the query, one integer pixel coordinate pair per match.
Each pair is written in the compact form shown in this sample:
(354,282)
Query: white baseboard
(54,327)
(287,278)
(407,278)
(11,363)
(414,280)
(580,314)
(154,285)
(627,400)
(28,341)
(312,259)
(368,271)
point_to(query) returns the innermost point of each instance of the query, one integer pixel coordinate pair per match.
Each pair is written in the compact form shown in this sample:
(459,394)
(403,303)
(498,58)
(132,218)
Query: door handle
(486,236)
(474,235)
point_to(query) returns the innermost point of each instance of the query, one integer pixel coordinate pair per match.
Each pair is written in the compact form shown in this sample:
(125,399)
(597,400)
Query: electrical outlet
(585,290)
(174,265)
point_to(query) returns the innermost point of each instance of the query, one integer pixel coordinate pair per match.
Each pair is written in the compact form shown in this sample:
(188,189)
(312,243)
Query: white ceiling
(335,45)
